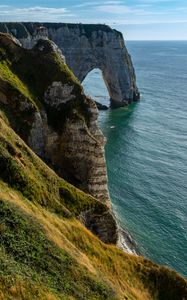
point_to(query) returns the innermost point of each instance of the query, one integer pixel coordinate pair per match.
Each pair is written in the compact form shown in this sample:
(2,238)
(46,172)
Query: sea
(146,151)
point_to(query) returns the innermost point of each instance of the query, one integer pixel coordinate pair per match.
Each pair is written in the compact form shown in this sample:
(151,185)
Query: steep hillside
(46,252)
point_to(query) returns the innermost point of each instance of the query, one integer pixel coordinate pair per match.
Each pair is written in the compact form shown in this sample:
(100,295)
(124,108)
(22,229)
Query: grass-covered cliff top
(25,76)
(44,66)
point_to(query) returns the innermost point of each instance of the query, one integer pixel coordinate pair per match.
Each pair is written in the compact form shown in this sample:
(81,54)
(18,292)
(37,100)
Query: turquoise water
(146,152)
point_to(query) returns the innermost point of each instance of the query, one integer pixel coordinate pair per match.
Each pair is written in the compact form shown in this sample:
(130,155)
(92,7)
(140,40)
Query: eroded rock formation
(61,124)
(47,107)
(85,48)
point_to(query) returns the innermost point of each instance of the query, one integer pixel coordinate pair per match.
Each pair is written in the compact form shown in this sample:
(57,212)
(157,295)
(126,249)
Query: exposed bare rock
(36,136)
(101,106)
(83,152)
(86,47)
(59,93)
(76,151)
(102,223)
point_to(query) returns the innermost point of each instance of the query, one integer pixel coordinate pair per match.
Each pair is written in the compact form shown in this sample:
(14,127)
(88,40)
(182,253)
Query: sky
(137,19)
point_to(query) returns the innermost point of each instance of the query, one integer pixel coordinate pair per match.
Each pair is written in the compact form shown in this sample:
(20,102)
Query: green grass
(28,174)
(45,251)
(22,79)
(22,104)
(26,251)
(15,83)
(49,63)
(43,62)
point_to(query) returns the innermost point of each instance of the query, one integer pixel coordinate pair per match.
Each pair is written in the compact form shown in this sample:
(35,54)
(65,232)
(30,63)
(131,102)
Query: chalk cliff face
(86,47)
(53,115)
(75,150)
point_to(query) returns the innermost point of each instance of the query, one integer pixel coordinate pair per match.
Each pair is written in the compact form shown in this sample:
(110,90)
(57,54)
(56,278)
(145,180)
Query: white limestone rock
(59,93)
(86,47)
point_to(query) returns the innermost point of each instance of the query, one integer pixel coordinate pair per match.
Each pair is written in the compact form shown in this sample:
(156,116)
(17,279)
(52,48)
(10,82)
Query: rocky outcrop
(58,121)
(76,152)
(86,47)
(101,106)
(102,223)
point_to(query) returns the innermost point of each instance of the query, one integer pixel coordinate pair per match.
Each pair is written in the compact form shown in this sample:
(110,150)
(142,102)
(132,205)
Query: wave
(126,242)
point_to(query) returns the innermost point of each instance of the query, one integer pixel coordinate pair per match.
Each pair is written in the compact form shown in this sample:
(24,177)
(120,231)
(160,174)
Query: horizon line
(156,40)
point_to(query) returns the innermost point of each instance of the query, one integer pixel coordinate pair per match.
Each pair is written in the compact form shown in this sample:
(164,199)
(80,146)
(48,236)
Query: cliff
(52,114)
(93,46)
(46,251)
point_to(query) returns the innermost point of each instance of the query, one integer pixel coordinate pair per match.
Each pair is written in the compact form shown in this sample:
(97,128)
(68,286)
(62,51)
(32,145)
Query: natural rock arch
(86,47)
(95,87)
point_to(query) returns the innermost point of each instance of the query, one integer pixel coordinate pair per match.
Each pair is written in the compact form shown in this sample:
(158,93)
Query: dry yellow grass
(106,262)
(22,291)
(34,188)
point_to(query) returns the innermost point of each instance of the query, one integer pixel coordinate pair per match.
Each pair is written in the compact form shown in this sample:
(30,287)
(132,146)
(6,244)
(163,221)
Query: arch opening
(95,87)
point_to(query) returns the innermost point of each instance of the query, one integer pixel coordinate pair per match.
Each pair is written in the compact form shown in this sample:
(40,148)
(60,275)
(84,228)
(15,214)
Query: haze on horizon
(137,19)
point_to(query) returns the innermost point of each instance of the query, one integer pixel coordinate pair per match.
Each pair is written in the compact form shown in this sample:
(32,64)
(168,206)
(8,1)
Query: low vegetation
(45,251)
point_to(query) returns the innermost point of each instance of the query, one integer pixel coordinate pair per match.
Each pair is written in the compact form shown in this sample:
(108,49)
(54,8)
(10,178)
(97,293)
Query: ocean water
(146,151)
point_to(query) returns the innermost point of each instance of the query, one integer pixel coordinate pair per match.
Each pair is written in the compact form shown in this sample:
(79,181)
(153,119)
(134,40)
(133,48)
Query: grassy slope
(45,252)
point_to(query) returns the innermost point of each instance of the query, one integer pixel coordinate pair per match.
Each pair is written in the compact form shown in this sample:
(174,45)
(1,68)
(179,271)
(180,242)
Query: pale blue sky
(137,19)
